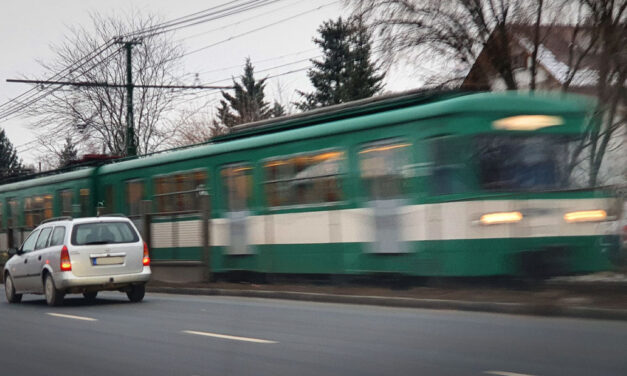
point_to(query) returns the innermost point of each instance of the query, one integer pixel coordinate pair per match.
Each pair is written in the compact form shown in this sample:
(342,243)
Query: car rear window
(103,233)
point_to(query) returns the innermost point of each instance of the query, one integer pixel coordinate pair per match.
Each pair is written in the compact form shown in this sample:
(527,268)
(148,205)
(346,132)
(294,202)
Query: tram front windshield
(524,163)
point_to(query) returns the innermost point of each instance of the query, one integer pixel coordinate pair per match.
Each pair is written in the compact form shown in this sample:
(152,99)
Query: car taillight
(146,259)
(66,264)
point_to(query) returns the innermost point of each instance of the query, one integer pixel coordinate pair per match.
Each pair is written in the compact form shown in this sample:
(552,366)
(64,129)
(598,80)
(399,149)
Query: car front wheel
(54,297)
(136,293)
(9,290)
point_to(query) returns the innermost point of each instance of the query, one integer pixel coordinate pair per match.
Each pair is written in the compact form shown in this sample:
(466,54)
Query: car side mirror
(12,252)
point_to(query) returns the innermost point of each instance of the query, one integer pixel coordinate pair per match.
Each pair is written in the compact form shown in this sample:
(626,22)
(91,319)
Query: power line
(191,20)
(240,21)
(256,62)
(258,29)
(70,68)
(4,116)
(106,84)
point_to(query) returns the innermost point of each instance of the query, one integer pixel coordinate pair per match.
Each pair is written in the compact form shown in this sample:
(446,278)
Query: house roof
(555,55)
(554,52)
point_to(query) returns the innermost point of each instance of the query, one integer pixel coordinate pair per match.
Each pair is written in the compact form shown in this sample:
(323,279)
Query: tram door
(238,191)
(383,166)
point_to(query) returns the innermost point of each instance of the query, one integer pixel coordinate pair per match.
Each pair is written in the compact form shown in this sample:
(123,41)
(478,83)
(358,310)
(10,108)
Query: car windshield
(103,233)
(523,163)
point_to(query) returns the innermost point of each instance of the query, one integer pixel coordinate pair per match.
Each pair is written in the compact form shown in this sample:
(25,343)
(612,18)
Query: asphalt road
(196,335)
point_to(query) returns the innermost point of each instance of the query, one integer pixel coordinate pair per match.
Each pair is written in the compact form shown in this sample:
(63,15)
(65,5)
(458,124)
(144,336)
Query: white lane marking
(71,317)
(505,373)
(224,336)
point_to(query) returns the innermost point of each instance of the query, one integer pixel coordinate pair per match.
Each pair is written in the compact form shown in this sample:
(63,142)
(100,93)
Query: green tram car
(414,184)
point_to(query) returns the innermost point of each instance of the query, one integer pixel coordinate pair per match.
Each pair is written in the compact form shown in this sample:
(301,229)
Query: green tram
(416,184)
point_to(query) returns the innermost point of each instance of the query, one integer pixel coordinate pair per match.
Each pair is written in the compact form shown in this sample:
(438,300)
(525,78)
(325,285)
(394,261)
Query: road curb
(439,304)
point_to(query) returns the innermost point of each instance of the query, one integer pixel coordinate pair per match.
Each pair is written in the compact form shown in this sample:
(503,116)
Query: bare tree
(609,18)
(194,126)
(97,115)
(479,34)
(455,31)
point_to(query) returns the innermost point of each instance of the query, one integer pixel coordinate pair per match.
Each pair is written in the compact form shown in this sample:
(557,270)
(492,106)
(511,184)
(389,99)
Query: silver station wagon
(82,255)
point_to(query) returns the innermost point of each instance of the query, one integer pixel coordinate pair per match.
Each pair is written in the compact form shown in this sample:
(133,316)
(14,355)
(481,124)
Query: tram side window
(178,192)
(237,181)
(36,209)
(450,173)
(304,179)
(12,212)
(108,206)
(383,166)
(66,202)
(84,202)
(134,195)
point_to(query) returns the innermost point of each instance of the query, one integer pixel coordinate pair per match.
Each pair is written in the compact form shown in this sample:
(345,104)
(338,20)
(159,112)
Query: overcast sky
(29,28)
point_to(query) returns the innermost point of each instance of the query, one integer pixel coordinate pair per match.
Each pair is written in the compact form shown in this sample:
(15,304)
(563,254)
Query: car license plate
(114,260)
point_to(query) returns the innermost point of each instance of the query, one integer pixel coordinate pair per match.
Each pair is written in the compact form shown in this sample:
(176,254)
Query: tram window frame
(83,199)
(450,176)
(227,189)
(133,207)
(170,193)
(13,210)
(380,191)
(36,209)
(108,204)
(64,201)
(282,185)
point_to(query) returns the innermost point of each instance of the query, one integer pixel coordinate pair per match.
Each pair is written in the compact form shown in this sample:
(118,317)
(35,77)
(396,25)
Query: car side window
(29,244)
(57,236)
(43,238)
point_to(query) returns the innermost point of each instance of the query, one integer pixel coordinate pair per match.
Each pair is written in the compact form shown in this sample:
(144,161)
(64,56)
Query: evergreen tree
(346,71)
(10,164)
(69,154)
(278,110)
(247,105)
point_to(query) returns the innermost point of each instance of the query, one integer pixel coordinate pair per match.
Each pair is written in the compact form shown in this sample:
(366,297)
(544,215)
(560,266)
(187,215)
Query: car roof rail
(113,215)
(56,219)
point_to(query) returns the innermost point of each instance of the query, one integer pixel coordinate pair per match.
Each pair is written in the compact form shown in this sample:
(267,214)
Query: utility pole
(131,145)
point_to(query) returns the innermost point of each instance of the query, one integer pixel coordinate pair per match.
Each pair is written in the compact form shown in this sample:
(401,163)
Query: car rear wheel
(9,290)
(54,297)
(136,293)
(90,295)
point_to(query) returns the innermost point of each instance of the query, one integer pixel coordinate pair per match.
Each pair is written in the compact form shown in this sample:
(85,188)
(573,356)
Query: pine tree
(10,164)
(346,71)
(278,110)
(69,154)
(247,105)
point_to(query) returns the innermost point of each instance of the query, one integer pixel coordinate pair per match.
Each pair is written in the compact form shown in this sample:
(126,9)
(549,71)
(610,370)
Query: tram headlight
(585,216)
(527,122)
(501,217)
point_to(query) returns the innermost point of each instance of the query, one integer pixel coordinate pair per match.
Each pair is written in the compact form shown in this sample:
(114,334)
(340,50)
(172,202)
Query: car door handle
(25,261)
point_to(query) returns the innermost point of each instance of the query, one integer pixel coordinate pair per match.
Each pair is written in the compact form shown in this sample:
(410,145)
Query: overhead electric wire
(21,105)
(211,16)
(297,2)
(256,62)
(71,68)
(251,7)
(257,29)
